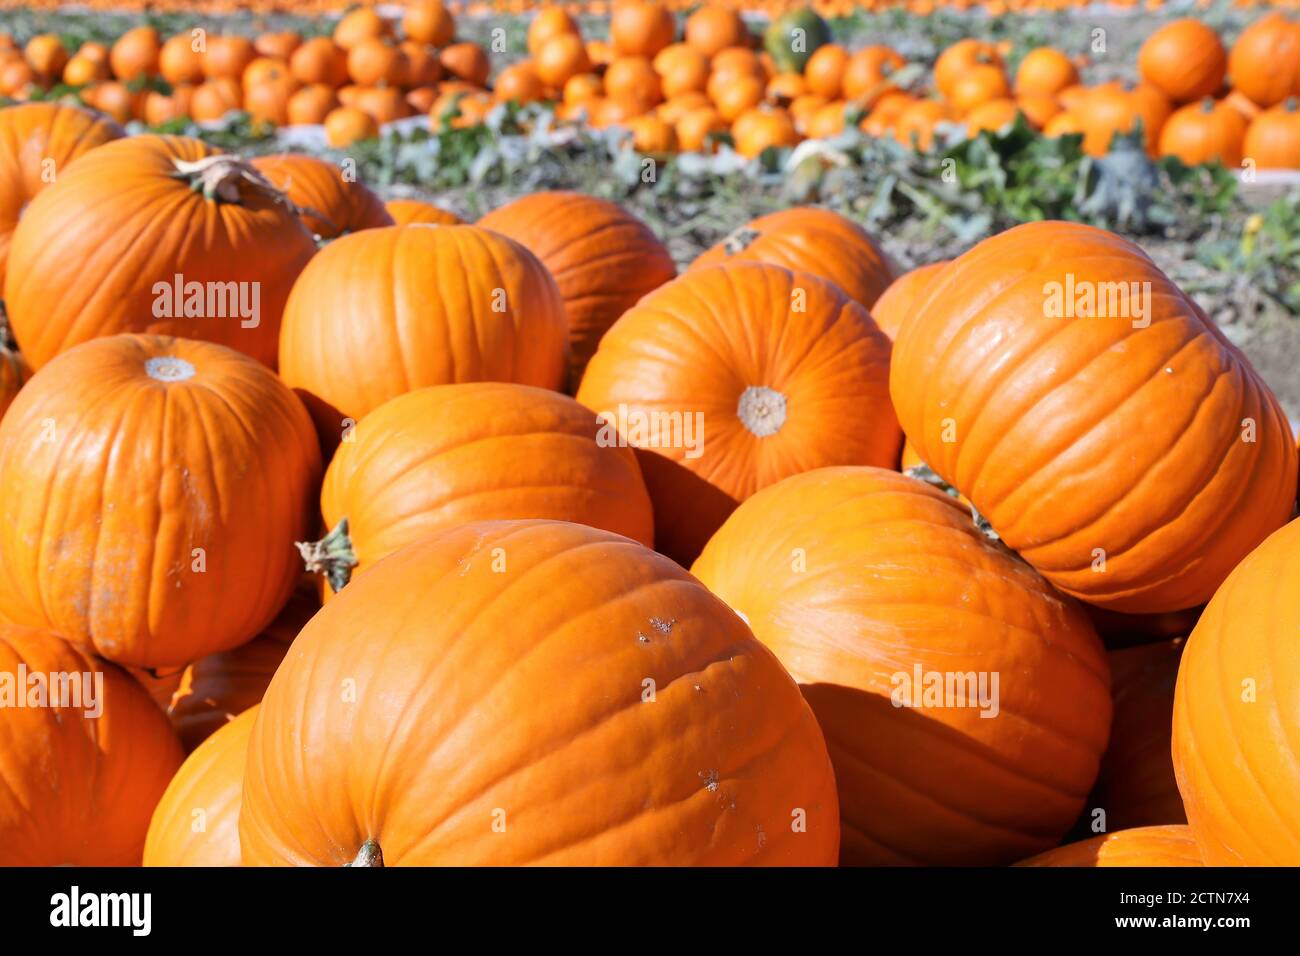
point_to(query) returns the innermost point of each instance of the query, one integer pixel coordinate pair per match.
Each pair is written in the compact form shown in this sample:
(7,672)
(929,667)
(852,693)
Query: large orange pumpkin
(898,303)
(196,823)
(151,490)
(1184,60)
(731,378)
(867,584)
(533,692)
(452,454)
(603,259)
(209,693)
(1235,713)
(1137,787)
(37,142)
(812,240)
(1045,71)
(1265,60)
(167,211)
(384,311)
(1095,416)
(1156,846)
(81,773)
(331,203)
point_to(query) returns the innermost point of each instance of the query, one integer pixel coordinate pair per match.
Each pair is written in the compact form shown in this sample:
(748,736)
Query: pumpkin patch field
(650,435)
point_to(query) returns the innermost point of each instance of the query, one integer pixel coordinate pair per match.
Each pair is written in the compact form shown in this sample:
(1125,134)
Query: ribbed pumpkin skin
(90,249)
(1137,787)
(331,204)
(215,688)
(408,211)
(810,240)
(385,311)
(603,258)
(854,575)
(898,303)
(1184,59)
(1076,434)
(519,691)
(698,345)
(1235,758)
(205,793)
(1143,846)
(482,451)
(101,512)
(78,790)
(32,134)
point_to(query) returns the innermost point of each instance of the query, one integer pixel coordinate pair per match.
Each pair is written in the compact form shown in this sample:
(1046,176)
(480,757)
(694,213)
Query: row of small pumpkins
(502,663)
(681,95)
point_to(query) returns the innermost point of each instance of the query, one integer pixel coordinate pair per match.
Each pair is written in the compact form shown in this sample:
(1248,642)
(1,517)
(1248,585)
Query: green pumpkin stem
(370,854)
(331,556)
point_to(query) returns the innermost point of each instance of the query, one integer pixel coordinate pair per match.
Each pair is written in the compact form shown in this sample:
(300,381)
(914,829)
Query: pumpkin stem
(331,556)
(370,854)
(740,240)
(1291,104)
(222,178)
(924,472)
(1207,105)
(761,410)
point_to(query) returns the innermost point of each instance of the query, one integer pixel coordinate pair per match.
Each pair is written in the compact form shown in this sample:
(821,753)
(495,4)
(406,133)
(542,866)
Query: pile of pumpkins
(1195,99)
(382,559)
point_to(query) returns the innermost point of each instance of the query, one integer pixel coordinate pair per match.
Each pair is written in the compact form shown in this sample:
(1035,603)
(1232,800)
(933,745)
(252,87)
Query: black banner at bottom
(213,905)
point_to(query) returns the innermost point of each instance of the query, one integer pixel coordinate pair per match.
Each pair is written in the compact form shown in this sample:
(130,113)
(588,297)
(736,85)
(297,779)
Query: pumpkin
(1273,138)
(311,105)
(466,61)
(824,71)
(169,211)
(37,142)
(347,125)
(179,61)
(227,56)
(78,789)
(917,123)
(1155,846)
(359,25)
(733,377)
(867,584)
(383,311)
(519,83)
(1184,60)
(330,203)
(135,54)
(640,28)
(196,823)
(992,116)
(959,59)
(867,74)
(811,240)
(562,58)
(548,23)
(793,37)
(150,492)
(319,60)
(1136,787)
(1204,132)
(427,21)
(1234,713)
(713,27)
(525,735)
(1033,398)
(208,693)
(436,456)
(1045,71)
(1265,61)
(407,211)
(280,44)
(603,259)
(898,303)
(981,84)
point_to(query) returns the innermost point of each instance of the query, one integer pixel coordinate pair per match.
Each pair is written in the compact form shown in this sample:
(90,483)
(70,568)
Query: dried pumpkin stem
(331,556)
(370,854)
(223,178)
